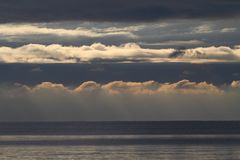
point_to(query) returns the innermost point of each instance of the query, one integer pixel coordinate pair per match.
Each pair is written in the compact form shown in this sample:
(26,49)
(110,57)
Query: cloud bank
(134,88)
(131,52)
(108,10)
(118,100)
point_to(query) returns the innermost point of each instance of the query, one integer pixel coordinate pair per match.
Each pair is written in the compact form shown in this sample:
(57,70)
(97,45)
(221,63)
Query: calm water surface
(120,140)
(131,152)
(117,148)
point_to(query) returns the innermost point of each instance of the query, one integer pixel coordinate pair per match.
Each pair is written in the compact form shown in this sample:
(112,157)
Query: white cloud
(235,84)
(226,30)
(218,53)
(36,53)
(14,30)
(188,87)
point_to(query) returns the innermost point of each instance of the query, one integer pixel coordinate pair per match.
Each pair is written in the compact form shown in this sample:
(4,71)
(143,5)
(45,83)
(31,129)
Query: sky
(128,60)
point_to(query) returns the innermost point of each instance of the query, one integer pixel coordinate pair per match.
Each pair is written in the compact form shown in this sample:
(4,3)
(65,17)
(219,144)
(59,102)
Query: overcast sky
(119,60)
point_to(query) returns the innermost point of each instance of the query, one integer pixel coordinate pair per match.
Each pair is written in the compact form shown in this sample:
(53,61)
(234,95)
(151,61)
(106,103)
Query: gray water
(117,147)
(138,152)
(190,140)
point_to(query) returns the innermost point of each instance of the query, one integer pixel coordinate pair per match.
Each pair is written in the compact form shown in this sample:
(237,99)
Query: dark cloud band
(108,10)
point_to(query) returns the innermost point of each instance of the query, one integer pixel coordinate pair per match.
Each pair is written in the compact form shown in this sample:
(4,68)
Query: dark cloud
(108,10)
(177,53)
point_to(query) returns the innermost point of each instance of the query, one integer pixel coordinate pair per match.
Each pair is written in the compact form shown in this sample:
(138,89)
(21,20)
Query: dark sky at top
(109,10)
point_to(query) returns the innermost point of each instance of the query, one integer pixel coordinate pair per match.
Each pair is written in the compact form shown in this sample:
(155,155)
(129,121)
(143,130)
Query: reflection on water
(131,152)
(150,147)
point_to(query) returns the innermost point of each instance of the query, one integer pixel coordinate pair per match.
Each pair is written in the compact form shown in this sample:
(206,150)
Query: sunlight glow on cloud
(36,53)
(235,84)
(121,87)
(119,100)
(130,52)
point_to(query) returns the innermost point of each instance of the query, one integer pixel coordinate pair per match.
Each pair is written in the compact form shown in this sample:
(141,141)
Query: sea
(144,140)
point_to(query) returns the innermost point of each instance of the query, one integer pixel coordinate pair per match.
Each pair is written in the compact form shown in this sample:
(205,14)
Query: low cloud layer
(131,52)
(108,10)
(118,100)
(145,88)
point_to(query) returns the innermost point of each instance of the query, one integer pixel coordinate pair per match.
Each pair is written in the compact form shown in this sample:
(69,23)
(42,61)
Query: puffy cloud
(187,87)
(121,87)
(132,87)
(88,86)
(183,100)
(235,84)
(131,52)
(152,87)
(135,88)
(217,53)
(36,53)
(49,86)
